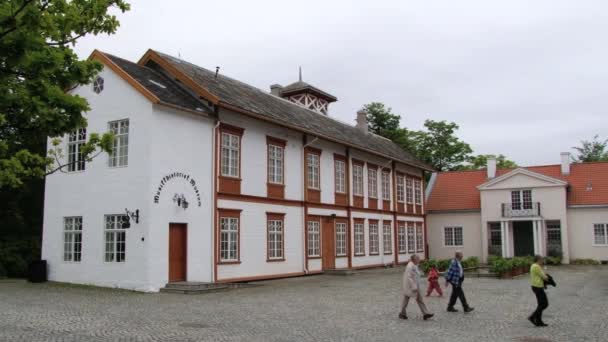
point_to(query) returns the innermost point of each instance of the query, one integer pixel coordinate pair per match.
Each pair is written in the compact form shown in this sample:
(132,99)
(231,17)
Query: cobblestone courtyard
(362,307)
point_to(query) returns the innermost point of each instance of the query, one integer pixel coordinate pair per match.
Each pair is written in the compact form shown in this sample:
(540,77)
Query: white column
(541,238)
(503,238)
(507,235)
(535,231)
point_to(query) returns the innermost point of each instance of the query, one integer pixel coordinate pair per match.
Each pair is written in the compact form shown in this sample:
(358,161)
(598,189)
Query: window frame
(604,228)
(419,237)
(274,218)
(76,160)
(402,237)
(387,242)
(417,191)
(359,237)
(341,237)
(400,188)
(309,175)
(115,232)
(374,237)
(225,170)
(230,214)
(114,157)
(524,199)
(453,236)
(386,185)
(311,233)
(409,191)
(372,182)
(340,176)
(277,145)
(358,179)
(70,247)
(411,237)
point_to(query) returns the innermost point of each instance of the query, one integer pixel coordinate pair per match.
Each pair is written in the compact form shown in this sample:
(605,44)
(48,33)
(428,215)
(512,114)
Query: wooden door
(328,254)
(178,242)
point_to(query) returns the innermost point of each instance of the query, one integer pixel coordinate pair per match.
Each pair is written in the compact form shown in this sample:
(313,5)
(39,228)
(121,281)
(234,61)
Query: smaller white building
(555,210)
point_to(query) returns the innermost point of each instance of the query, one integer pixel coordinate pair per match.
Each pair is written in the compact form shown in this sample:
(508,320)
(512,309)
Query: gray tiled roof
(154,81)
(281,111)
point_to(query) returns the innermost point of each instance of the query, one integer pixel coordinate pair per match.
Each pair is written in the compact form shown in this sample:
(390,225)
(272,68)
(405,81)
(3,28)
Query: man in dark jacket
(455,277)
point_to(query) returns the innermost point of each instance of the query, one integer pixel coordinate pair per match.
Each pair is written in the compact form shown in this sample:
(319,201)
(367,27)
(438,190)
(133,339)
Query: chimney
(362,120)
(491,168)
(275,89)
(565,163)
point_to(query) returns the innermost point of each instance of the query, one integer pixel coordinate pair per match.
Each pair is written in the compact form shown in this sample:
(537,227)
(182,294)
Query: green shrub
(551,260)
(585,262)
(492,259)
(425,265)
(470,262)
(443,265)
(15,256)
(2,271)
(501,266)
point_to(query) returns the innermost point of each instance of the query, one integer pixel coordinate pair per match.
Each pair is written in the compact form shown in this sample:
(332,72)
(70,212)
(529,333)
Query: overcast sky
(527,79)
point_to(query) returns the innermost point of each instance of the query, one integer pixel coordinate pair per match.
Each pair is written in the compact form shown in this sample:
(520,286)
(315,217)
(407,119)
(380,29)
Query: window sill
(461,246)
(388,253)
(374,254)
(230,177)
(229,262)
(342,256)
(275,260)
(598,245)
(314,257)
(360,255)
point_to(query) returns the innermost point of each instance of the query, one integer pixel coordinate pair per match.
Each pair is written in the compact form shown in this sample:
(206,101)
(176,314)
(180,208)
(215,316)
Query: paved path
(362,307)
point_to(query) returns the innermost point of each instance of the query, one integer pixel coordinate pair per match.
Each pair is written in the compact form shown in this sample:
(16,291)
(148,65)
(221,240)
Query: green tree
(37,67)
(481,161)
(382,121)
(592,150)
(439,146)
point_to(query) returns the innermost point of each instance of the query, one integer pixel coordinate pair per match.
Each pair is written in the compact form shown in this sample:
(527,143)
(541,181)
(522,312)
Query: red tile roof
(457,190)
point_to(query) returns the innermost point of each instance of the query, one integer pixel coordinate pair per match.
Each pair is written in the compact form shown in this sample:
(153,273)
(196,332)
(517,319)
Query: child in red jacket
(433,282)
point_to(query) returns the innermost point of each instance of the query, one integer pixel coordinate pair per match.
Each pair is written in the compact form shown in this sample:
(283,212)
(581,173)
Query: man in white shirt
(411,288)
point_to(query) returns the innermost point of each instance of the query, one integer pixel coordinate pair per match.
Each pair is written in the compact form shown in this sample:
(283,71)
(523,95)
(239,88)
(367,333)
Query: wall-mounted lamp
(180,200)
(134,215)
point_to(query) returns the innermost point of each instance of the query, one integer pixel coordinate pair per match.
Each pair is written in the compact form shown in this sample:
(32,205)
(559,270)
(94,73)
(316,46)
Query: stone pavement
(362,307)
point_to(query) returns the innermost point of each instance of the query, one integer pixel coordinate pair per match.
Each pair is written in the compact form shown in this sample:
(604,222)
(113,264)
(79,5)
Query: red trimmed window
(229,235)
(357,179)
(387,238)
(386,185)
(276,236)
(359,238)
(372,181)
(374,238)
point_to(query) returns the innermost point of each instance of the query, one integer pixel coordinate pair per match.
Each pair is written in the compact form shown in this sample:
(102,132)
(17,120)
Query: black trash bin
(37,271)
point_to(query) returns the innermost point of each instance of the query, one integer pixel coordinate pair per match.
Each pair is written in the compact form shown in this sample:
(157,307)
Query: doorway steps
(192,287)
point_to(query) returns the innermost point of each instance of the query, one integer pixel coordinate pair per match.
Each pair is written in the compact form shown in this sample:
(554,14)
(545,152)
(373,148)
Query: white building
(230,183)
(549,210)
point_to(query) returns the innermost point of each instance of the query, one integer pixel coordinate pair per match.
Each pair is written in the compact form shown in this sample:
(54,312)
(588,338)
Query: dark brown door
(328,253)
(178,239)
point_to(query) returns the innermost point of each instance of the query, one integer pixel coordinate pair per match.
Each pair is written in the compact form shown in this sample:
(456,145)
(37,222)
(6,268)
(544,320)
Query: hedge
(16,255)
